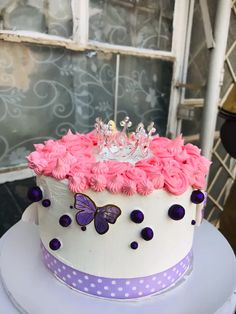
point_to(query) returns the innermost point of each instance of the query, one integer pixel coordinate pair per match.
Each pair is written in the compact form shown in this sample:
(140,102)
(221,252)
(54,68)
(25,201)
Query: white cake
(115,228)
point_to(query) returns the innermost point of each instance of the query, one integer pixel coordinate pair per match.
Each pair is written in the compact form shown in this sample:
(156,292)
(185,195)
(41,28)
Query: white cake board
(34,290)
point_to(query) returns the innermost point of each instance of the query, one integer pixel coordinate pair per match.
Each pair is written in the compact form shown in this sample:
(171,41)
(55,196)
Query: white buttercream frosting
(110,255)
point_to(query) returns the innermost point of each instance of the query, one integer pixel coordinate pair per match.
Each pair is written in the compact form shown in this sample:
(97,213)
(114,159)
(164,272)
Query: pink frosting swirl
(176,181)
(135,174)
(100,168)
(116,167)
(61,170)
(115,183)
(145,187)
(78,183)
(157,180)
(129,187)
(198,180)
(98,182)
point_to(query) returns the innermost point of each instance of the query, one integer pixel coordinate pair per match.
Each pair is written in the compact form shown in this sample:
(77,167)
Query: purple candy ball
(193,222)
(134,245)
(35,194)
(46,203)
(176,212)
(137,216)
(83,228)
(65,220)
(54,244)
(147,234)
(197,197)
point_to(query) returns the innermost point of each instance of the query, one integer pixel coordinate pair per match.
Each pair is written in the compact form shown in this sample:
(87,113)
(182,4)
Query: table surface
(208,290)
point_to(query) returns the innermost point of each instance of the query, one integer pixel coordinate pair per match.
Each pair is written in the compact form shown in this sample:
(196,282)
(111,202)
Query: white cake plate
(34,290)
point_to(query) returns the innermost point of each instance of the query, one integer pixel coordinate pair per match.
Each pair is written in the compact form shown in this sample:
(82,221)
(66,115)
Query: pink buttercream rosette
(172,166)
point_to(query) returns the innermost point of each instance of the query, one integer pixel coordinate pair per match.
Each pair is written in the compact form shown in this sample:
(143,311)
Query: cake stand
(32,289)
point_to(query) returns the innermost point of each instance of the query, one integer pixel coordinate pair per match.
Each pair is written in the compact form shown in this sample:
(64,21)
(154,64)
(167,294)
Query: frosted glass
(44,16)
(46,91)
(143,24)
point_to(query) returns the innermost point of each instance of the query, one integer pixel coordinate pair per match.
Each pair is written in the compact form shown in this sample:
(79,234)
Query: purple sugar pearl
(83,228)
(134,245)
(197,197)
(176,212)
(137,216)
(147,233)
(65,220)
(35,194)
(46,203)
(193,222)
(54,244)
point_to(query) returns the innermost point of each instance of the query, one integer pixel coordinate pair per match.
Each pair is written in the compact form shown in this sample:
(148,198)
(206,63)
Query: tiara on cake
(122,145)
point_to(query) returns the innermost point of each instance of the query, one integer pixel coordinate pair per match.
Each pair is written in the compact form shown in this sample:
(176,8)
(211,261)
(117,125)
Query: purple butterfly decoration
(88,211)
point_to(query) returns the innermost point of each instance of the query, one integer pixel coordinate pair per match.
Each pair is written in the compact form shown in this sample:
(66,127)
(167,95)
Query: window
(63,63)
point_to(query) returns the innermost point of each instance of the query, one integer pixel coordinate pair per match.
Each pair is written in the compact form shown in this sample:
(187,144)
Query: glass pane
(144,91)
(45,91)
(45,16)
(193,127)
(143,23)
(198,58)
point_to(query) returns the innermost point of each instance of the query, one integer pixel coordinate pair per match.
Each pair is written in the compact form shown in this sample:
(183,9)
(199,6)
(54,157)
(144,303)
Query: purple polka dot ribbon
(116,288)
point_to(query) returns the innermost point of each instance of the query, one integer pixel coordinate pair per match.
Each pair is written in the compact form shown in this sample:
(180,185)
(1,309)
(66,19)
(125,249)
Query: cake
(117,210)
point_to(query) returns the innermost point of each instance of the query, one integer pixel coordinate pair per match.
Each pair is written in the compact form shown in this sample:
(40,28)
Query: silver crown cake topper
(122,145)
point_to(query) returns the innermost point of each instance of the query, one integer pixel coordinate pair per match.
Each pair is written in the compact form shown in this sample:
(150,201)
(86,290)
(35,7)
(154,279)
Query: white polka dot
(169,277)
(80,281)
(64,267)
(54,261)
(86,289)
(177,271)
(68,276)
(92,285)
(163,286)
(141,281)
(127,282)
(99,292)
(159,282)
(49,266)
(113,294)
(126,295)
(165,274)
(64,278)
(152,290)
(106,288)
(184,266)
(74,284)
(181,263)
(172,280)
(46,257)
(154,278)
(99,280)
(86,277)
(74,273)
(120,289)
(134,288)
(174,269)
(147,286)
(179,274)
(140,293)
(113,282)
(59,270)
